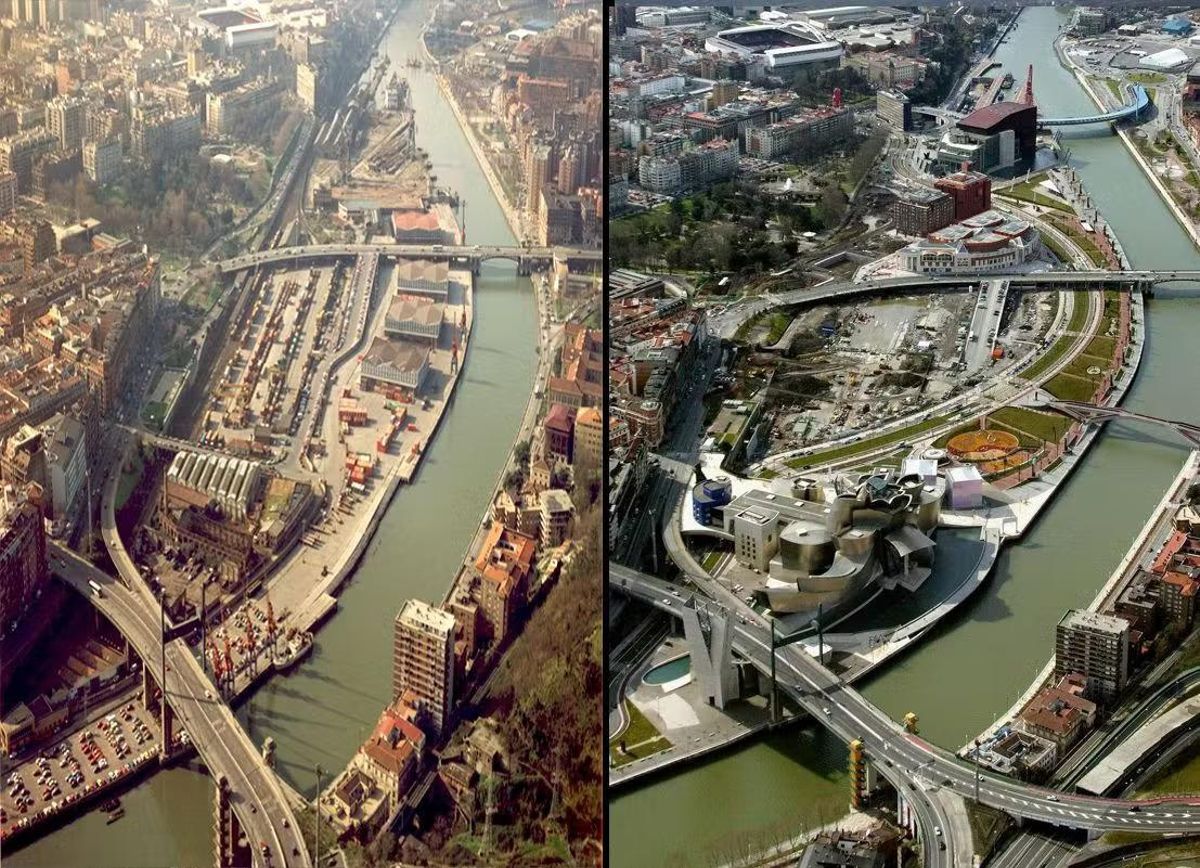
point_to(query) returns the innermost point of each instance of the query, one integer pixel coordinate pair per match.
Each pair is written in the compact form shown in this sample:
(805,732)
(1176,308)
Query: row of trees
(950,58)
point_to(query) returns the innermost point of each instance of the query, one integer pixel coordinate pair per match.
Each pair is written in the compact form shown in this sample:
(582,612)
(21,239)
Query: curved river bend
(796,778)
(321,713)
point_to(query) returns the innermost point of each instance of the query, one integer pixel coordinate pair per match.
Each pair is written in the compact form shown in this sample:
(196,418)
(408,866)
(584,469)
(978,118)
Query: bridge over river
(527,258)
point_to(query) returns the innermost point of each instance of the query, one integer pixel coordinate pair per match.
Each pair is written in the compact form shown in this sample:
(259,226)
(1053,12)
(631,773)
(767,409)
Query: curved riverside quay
(322,711)
(910,763)
(796,778)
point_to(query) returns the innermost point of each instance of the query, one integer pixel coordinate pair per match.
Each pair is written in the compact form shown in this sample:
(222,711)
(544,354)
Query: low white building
(964,487)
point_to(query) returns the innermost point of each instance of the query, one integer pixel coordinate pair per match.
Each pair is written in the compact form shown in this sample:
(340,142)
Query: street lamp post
(317,821)
(976,754)
(774,691)
(162,612)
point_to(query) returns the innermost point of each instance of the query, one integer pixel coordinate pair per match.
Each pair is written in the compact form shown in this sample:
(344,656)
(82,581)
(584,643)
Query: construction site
(837,370)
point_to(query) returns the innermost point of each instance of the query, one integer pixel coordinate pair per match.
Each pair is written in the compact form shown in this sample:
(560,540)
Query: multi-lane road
(727,322)
(406,251)
(261,805)
(916,767)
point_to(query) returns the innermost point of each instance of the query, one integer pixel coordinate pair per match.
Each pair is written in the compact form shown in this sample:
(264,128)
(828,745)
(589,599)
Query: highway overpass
(262,808)
(907,761)
(225,748)
(727,322)
(470,255)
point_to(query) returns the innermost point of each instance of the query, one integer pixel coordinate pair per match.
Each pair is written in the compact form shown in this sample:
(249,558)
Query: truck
(96,591)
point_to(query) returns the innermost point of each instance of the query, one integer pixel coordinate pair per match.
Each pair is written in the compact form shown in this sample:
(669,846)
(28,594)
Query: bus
(96,592)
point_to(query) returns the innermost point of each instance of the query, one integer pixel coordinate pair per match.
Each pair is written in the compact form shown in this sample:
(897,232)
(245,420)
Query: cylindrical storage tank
(806,549)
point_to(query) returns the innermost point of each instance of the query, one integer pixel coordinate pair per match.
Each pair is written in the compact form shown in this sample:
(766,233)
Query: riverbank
(1120,578)
(1067,554)
(1188,226)
(511,214)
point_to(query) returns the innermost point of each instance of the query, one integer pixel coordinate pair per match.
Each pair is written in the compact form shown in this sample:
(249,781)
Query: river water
(972,668)
(321,713)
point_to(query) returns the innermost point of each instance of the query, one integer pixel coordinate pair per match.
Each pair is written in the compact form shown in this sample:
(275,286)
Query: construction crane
(228,668)
(250,643)
(271,626)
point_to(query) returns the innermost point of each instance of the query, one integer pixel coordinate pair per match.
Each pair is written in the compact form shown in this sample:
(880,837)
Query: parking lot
(83,761)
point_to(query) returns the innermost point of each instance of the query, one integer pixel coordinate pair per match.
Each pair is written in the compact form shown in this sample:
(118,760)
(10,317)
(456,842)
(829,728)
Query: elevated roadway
(258,799)
(726,323)
(907,761)
(1102,741)
(473,254)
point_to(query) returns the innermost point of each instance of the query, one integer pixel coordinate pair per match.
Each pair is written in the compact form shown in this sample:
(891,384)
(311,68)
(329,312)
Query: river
(973,666)
(321,713)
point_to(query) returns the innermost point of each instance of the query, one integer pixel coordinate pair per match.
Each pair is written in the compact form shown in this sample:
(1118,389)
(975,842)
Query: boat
(110,805)
(115,815)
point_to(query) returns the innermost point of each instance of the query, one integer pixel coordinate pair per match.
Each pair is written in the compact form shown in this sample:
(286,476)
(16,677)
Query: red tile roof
(402,220)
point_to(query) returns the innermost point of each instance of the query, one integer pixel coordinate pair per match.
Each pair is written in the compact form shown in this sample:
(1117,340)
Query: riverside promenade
(870,649)
(1124,572)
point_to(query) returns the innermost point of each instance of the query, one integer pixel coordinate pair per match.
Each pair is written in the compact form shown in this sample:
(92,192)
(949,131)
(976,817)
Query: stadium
(788,46)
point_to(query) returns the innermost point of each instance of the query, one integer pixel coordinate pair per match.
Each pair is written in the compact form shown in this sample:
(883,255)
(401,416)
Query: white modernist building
(965,487)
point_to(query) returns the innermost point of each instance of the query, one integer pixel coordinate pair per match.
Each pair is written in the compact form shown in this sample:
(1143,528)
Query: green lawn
(639,729)
(153,413)
(1084,243)
(1079,314)
(1056,351)
(779,323)
(642,751)
(987,825)
(640,737)
(1070,388)
(1048,359)
(1043,426)
(1101,347)
(830,455)
(1081,363)
(1057,249)
(1027,191)
(1118,839)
